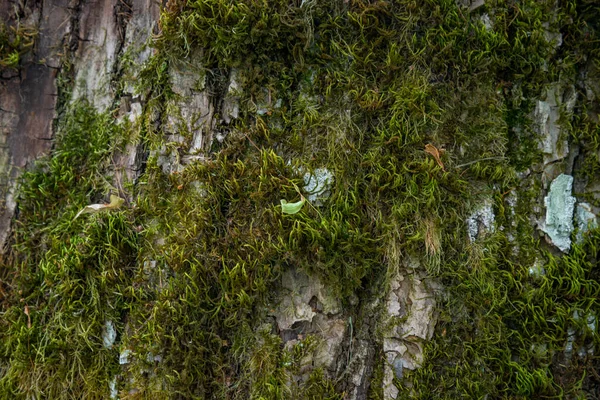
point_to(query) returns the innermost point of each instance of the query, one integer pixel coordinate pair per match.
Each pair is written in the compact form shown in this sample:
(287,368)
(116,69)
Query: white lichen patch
(199,188)
(537,270)
(481,221)
(109,334)
(318,185)
(586,220)
(546,116)
(591,322)
(112,385)
(486,21)
(560,206)
(124,356)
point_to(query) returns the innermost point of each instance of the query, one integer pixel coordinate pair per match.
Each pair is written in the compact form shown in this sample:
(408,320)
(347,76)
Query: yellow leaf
(115,202)
(431,149)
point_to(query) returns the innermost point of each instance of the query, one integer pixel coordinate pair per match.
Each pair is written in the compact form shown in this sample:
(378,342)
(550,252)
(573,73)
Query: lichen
(317,184)
(560,206)
(586,219)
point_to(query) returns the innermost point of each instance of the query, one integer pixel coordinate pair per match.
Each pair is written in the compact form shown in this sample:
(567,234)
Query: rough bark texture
(29,97)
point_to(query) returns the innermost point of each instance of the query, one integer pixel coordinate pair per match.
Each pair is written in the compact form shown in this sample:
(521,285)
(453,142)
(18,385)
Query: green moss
(319,387)
(187,270)
(14,42)
(67,276)
(512,343)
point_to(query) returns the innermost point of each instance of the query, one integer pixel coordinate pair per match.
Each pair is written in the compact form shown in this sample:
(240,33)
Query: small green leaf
(115,202)
(292,208)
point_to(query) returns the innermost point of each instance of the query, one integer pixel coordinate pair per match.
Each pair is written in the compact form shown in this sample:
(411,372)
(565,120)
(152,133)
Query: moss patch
(66,277)
(14,41)
(186,272)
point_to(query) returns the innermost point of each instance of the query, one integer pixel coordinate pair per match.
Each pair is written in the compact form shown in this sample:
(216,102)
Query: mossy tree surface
(14,41)
(186,271)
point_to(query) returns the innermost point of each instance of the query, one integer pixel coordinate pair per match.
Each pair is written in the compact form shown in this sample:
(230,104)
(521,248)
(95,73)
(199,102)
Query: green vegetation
(186,270)
(14,41)
(67,276)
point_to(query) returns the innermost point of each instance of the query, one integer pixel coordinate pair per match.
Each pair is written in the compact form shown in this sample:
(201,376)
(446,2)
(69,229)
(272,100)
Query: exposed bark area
(29,98)
(88,37)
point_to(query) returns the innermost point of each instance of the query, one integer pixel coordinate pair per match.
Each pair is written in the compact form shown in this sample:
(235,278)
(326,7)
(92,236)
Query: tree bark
(446,206)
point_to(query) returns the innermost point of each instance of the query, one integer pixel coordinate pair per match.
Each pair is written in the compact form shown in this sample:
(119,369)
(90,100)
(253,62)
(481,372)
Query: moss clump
(519,320)
(14,41)
(370,86)
(219,228)
(66,277)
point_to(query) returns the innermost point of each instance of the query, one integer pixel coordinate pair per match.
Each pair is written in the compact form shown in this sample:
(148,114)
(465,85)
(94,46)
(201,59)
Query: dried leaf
(431,149)
(115,202)
(28,316)
(433,243)
(292,208)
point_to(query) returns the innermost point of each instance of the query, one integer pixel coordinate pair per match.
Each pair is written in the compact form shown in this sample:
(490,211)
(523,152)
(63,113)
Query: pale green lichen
(560,206)
(586,220)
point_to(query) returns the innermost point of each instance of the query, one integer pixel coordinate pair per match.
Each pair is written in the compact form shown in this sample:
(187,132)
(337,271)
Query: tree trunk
(278,199)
